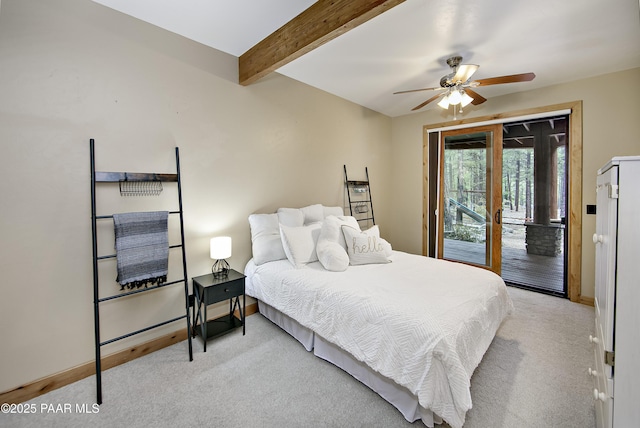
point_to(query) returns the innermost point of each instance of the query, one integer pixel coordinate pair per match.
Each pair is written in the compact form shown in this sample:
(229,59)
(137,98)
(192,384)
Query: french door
(470,196)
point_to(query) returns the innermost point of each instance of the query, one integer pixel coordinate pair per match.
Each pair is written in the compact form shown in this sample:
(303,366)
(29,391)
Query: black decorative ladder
(132,178)
(359,196)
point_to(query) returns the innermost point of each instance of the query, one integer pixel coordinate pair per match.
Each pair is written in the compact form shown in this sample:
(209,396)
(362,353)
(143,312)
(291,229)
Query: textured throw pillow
(331,248)
(332,256)
(332,229)
(299,243)
(366,247)
(266,244)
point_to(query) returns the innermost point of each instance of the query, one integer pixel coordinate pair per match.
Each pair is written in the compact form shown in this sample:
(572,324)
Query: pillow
(337,211)
(331,248)
(266,244)
(312,214)
(299,243)
(296,217)
(292,217)
(331,229)
(366,247)
(332,256)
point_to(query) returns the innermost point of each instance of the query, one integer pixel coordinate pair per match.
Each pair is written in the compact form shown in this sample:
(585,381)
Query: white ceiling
(407,46)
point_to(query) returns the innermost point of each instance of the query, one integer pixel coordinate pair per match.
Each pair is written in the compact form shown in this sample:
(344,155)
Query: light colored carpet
(533,375)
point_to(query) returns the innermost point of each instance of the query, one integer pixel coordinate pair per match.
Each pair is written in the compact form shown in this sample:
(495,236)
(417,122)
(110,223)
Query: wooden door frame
(574,189)
(494,182)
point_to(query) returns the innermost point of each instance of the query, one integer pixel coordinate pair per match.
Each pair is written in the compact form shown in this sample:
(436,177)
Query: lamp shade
(455,97)
(220,247)
(444,102)
(466,99)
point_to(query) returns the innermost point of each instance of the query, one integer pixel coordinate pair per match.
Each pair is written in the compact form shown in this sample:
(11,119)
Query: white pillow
(312,214)
(292,217)
(266,244)
(299,243)
(331,248)
(337,211)
(296,217)
(366,247)
(332,229)
(332,256)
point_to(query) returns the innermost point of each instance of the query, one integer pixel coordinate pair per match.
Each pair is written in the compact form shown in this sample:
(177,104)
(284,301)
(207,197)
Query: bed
(412,328)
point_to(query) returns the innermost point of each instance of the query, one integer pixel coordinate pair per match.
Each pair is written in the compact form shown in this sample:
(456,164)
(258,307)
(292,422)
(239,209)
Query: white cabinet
(616,343)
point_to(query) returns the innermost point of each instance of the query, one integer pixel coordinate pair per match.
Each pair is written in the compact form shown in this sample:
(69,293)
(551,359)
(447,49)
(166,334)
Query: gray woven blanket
(142,248)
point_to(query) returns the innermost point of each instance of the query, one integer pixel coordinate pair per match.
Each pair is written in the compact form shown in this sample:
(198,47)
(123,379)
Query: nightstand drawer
(223,291)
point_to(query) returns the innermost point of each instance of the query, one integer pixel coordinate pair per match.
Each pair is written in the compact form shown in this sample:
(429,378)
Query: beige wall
(610,128)
(73,70)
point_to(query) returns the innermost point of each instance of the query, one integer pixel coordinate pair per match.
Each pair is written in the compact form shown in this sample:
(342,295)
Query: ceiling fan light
(466,99)
(444,102)
(455,98)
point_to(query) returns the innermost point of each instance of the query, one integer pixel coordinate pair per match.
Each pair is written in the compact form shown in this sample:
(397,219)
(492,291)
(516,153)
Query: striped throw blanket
(142,248)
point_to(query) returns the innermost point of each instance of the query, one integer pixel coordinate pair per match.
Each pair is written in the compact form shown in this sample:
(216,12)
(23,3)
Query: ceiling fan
(458,87)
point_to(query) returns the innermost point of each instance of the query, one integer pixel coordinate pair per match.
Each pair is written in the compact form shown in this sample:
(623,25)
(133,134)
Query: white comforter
(424,323)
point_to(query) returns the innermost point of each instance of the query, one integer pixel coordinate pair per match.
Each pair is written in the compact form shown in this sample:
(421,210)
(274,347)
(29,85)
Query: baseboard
(49,383)
(587,300)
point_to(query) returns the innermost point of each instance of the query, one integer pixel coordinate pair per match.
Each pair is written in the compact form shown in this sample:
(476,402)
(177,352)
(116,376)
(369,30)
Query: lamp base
(220,269)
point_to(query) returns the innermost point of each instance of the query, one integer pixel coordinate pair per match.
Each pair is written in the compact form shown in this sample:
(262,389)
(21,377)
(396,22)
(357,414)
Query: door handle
(497,216)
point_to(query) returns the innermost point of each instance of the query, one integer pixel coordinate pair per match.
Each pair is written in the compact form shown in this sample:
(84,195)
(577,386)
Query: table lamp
(220,249)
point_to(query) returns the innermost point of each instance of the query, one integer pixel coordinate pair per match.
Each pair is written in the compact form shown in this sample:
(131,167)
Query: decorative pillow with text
(366,247)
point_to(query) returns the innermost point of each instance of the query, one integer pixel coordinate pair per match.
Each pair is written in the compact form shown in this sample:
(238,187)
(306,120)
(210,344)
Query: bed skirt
(398,396)
(302,334)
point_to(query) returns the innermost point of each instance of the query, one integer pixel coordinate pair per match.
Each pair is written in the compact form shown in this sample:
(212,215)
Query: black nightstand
(208,290)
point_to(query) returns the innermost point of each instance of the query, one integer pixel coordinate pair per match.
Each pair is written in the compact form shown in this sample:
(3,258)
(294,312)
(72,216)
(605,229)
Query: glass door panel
(470,196)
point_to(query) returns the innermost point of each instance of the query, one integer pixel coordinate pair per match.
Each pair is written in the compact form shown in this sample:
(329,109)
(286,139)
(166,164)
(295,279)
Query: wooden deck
(518,268)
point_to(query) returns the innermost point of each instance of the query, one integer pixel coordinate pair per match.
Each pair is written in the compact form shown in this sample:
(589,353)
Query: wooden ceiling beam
(321,22)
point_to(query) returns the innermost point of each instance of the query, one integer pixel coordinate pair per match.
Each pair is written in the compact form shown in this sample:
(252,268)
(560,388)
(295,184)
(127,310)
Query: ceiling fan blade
(464,72)
(418,90)
(477,98)
(513,78)
(419,106)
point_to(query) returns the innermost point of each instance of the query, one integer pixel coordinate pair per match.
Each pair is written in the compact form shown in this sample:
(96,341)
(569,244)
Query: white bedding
(422,322)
